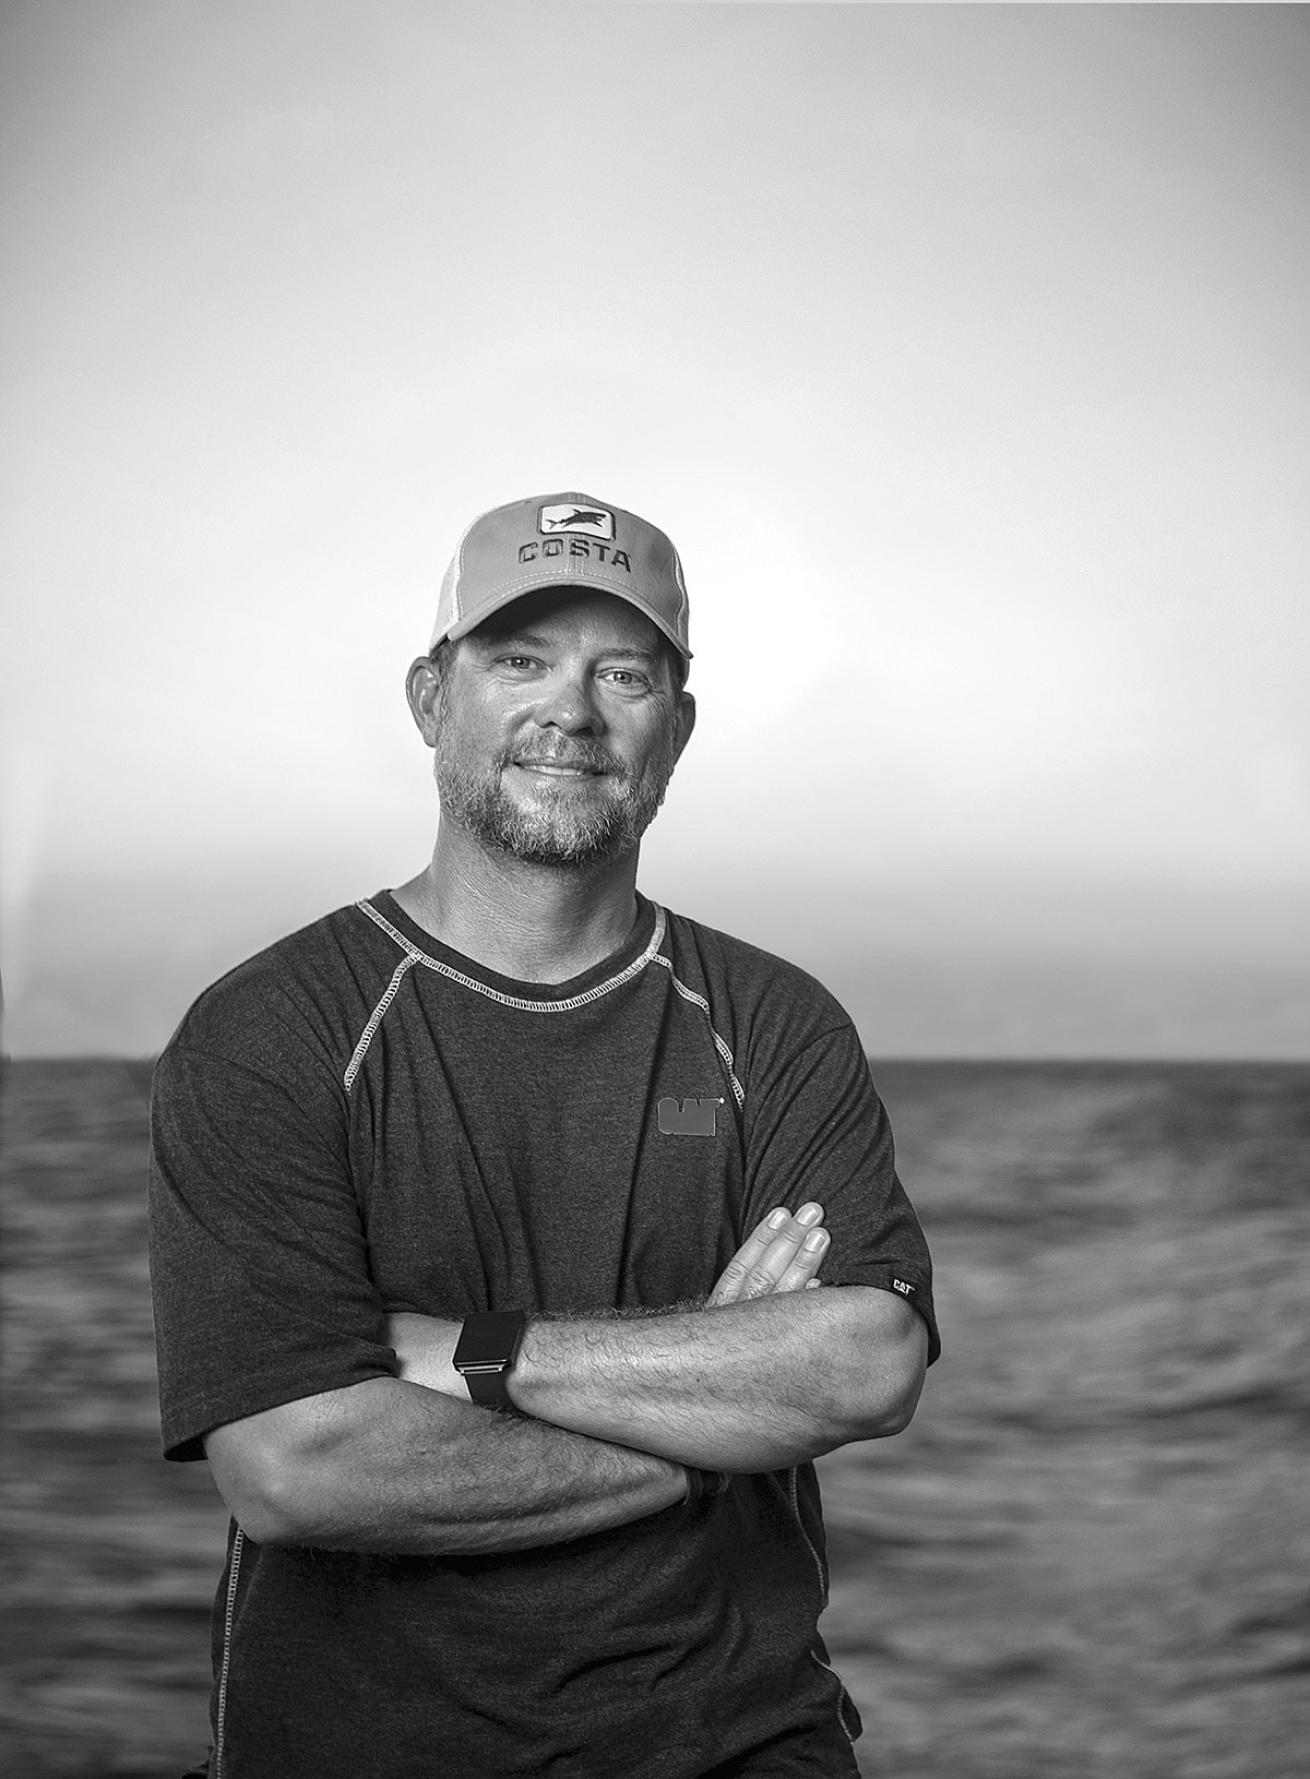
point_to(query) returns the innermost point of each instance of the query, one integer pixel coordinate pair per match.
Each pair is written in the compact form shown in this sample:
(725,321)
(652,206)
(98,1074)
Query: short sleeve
(259,1263)
(816,1129)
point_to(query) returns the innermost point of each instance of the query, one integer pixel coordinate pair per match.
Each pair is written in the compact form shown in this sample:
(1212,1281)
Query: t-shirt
(361,1119)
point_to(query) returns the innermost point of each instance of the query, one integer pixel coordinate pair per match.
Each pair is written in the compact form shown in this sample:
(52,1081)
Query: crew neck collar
(644,938)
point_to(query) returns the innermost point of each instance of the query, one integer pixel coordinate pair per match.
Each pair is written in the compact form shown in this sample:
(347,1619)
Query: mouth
(559,770)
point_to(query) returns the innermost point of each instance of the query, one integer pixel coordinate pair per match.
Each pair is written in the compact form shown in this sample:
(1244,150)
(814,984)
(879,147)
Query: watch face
(490,1339)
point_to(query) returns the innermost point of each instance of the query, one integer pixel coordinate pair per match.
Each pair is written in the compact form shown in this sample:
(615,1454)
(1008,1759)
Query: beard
(556,827)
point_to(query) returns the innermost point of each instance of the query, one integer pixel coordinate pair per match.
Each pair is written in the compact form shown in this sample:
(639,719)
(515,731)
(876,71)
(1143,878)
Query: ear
(686,721)
(423,690)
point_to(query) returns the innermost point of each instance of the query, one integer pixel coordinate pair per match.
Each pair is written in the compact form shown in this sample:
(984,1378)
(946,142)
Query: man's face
(556,728)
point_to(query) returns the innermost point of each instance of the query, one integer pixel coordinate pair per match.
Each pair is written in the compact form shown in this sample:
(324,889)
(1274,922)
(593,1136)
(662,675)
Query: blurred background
(962,350)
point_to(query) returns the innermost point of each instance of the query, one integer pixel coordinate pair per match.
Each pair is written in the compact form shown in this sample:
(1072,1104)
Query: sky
(962,350)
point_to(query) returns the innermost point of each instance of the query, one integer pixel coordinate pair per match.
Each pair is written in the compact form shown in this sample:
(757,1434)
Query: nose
(569,704)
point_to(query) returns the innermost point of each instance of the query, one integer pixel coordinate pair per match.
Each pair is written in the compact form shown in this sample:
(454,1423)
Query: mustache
(596,759)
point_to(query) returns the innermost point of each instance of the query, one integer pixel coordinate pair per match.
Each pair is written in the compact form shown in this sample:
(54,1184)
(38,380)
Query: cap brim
(541,584)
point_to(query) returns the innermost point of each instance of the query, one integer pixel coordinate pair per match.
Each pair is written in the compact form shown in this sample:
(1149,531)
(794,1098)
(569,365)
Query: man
(487,1220)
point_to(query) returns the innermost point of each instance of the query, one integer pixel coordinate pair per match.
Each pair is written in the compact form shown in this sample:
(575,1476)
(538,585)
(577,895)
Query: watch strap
(488,1345)
(487,1388)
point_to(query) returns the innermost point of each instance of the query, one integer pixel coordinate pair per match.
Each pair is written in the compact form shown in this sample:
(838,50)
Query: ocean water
(1088,1558)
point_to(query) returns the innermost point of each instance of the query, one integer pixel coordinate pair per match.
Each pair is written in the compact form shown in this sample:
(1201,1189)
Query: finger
(808,1260)
(792,1260)
(762,1279)
(729,1284)
(765,1255)
(762,1237)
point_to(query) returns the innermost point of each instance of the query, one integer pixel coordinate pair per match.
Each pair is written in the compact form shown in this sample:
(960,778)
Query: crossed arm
(767,1375)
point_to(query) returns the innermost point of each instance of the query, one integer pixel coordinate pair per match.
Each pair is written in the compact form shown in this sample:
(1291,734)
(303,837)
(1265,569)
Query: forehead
(564,616)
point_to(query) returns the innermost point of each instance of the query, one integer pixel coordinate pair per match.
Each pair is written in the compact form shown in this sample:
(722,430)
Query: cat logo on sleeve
(905,1289)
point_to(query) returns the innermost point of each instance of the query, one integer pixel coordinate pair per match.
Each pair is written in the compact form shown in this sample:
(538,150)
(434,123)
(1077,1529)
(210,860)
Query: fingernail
(776,1219)
(809,1214)
(815,1240)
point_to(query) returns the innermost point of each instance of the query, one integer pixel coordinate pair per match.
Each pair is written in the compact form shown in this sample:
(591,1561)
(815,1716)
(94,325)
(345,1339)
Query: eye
(625,680)
(518,663)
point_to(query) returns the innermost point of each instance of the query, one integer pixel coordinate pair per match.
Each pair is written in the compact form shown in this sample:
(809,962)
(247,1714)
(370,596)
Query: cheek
(496,714)
(664,745)
(473,739)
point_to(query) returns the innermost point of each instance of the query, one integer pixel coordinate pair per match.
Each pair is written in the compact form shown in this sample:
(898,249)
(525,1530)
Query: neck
(537,923)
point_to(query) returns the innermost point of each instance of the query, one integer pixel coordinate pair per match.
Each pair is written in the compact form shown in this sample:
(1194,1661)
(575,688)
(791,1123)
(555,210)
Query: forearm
(387,1466)
(748,1386)
(769,1374)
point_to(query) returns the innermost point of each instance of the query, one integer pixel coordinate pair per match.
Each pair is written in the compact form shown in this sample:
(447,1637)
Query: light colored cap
(562,540)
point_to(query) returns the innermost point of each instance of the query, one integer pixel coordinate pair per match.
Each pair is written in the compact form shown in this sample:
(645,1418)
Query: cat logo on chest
(688,1118)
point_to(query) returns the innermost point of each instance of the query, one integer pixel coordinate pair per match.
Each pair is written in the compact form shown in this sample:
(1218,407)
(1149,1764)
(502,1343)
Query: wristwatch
(487,1347)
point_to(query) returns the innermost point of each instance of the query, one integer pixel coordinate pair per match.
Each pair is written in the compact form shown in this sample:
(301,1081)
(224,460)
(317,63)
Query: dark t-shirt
(360,1119)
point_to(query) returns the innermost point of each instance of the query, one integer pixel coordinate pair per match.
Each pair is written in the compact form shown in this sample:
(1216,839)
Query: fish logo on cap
(590,521)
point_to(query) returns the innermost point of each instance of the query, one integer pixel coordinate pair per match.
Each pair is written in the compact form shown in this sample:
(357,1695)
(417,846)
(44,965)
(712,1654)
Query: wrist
(531,1366)
(485,1354)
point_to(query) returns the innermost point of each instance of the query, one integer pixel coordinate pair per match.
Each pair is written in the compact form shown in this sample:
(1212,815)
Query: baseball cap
(562,540)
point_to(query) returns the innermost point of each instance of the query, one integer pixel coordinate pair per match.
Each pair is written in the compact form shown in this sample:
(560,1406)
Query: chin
(550,826)
(567,844)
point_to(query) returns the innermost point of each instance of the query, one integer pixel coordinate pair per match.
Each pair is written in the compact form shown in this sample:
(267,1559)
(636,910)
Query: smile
(557,769)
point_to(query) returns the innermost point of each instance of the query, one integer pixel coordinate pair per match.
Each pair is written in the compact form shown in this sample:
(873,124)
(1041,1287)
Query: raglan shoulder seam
(720,1042)
(414,956)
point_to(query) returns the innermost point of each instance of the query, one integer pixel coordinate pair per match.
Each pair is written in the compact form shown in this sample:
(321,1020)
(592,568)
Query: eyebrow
(532,639)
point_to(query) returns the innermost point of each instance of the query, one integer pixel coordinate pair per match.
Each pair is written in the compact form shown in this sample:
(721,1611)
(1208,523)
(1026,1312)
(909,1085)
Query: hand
(783,1254)
(425,1347)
